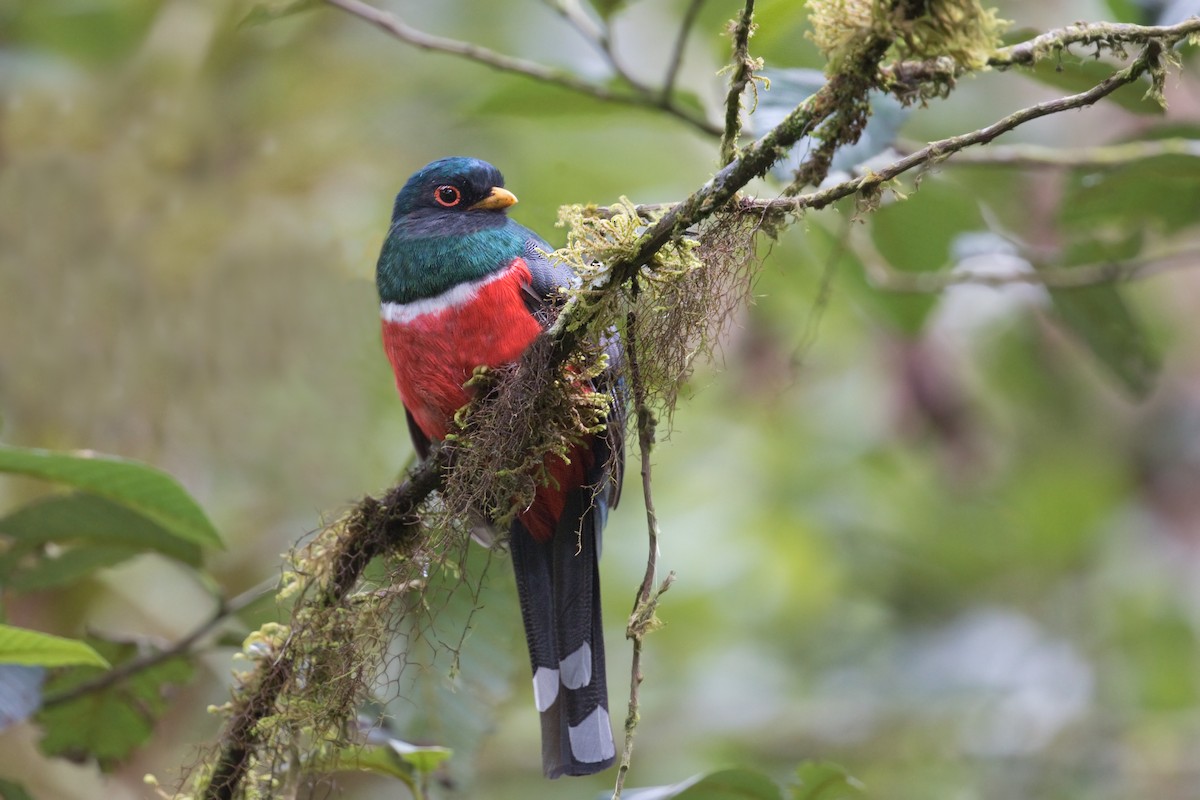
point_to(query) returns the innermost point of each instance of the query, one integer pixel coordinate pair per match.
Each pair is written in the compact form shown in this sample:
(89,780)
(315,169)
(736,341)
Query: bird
(461,285)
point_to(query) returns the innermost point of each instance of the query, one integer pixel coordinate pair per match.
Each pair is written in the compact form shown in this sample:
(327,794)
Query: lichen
(964,30)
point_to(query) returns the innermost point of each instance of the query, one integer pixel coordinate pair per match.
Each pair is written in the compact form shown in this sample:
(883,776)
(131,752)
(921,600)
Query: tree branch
(375,526)
(676,60)
(224,610)
(1076,277)
(1106,33)
(641,619)
(599,36)
(943,148)
(1032,156)
(641,96)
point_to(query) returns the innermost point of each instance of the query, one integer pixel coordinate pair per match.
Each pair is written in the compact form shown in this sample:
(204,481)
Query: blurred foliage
(949,540)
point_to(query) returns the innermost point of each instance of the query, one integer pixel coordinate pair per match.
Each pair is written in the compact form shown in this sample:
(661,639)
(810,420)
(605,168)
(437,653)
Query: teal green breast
(413,268)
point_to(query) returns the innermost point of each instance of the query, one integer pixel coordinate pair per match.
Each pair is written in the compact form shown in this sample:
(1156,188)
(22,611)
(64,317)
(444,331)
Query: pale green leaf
(729,784)
(32,648)
(824,780)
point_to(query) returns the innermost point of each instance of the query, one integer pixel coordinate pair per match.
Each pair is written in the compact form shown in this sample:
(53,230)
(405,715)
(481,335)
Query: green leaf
(1128,11)
(395,758)
(266,12)
(141,487)
(917,235)
(1100,316)
(379,759)
(96,31)
(1078,75)
(108,723)
(732,784)
(1162,192)
(607,8)
(87,532)
(824,780)
(32,648)
(514,96)
(729,784)
(423,759)
(13,791)
(1112,332)
(48,568)
(905,312)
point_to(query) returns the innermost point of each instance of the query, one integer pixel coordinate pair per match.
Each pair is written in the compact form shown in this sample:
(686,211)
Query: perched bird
(461,285)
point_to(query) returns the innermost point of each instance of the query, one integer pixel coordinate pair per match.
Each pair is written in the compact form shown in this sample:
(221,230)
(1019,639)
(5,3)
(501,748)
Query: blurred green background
(936,538)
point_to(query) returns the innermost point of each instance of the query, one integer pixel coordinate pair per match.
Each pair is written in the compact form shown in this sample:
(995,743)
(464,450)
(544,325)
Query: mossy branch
(741,76)
(375,526)
(1110,35)
(1149,60)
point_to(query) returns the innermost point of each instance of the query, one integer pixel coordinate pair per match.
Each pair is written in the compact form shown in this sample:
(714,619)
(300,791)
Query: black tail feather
(559,586)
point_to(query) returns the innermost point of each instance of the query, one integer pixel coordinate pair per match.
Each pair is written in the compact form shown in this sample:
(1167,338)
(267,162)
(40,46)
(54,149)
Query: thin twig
(1032,156)
(676,60)
(739,79)
(1077,277)
(641,619)
(641,97)
(600,36)
(224,610)
(577,18)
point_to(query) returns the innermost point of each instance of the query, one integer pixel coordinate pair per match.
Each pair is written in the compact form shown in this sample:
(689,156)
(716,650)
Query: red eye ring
(447,196)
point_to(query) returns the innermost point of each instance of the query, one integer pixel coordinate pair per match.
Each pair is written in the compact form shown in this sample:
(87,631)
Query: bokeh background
(938,538)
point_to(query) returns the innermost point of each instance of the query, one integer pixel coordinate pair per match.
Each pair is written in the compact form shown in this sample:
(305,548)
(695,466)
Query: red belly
(435,354)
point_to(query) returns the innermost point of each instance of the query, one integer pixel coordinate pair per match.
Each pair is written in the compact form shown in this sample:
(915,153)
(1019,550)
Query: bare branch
(1077,277)
(1032,156)
(641,619)
(641,97)
(676,61)
(599,36)
(224,610)
(577,18)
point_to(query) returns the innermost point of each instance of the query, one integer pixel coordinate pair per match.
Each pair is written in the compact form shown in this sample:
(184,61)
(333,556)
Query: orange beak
(499,198)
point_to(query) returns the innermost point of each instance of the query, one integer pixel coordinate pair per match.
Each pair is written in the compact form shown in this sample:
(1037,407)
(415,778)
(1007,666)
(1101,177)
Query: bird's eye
(448,196)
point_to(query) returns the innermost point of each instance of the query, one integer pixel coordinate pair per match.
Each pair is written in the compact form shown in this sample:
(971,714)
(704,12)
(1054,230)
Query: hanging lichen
(685,298)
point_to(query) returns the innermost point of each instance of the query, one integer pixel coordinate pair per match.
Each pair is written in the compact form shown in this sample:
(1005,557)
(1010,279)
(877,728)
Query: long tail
(558,580)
